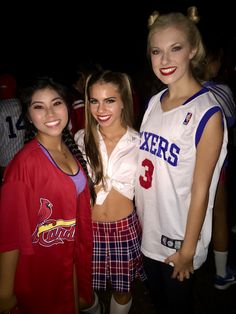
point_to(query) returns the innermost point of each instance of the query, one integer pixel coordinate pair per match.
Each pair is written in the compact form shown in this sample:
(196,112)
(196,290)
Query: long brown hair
(122,82)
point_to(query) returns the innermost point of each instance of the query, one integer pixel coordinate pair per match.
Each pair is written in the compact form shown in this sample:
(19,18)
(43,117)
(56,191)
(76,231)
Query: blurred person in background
(12,127)
(214,80)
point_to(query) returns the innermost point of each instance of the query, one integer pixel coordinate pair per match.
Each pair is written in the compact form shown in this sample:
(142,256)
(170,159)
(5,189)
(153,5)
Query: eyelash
(95,102)
(174,49)
(110,101)
(57,103)
(155,52)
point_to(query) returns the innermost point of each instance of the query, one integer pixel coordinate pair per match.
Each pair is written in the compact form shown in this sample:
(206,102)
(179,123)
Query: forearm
(7,304)
(8,264)
(208,151)
(195,219)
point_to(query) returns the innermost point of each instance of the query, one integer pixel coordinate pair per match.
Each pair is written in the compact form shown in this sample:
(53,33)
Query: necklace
(114,140)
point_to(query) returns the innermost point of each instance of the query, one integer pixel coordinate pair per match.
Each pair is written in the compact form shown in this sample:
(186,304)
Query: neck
(184,89)
(51,143)
(111,133)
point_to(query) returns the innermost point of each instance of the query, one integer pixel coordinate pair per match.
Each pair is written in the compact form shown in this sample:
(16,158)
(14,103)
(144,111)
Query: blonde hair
(187,23)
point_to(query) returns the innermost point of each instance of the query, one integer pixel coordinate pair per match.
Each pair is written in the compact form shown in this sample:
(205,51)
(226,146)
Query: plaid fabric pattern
(116,254)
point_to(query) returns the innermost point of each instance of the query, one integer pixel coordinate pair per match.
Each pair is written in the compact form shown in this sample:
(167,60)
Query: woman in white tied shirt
(110,146)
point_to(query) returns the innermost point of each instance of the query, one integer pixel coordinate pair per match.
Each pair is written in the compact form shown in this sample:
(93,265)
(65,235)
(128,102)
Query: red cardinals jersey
(42,216)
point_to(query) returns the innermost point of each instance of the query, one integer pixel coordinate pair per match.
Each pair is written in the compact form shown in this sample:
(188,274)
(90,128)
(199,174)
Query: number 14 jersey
(12,129)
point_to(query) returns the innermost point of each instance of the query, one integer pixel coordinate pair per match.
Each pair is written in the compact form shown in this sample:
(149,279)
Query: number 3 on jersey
(146,180)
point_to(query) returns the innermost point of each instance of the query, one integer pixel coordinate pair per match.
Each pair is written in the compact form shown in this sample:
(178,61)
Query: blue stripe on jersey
(202,91)
(204,121)
(224,97)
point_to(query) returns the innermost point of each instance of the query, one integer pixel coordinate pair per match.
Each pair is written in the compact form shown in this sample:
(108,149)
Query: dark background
(48,36)
(40,37)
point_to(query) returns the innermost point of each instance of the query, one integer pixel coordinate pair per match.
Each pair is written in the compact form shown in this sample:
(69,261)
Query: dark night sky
(55,36)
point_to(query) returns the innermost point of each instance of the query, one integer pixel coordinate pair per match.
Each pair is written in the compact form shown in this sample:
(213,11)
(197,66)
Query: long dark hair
(26,95)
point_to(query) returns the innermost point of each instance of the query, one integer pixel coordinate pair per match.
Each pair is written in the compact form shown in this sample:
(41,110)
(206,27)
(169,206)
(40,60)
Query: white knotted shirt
(120,167)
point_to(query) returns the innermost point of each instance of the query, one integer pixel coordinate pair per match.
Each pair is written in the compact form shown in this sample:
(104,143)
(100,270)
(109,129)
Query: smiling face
(170,54)
(48,112)
(105,104)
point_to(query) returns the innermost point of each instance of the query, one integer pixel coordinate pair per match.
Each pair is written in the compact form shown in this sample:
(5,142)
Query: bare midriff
(115,207)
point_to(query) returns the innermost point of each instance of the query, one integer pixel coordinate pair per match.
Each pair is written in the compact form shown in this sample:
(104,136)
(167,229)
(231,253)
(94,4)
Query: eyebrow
(111,97)
(41,102)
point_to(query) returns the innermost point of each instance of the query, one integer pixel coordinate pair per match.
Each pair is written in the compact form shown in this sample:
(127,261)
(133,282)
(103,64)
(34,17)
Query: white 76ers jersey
(167,157)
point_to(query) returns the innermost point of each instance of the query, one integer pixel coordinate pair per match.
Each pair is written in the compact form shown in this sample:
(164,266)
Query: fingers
(187,275)
(183,275)
(181,271)
(168,261)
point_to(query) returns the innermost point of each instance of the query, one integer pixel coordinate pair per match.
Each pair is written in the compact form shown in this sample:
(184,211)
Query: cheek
(34,117)
(155,65)
(63,113)
(153,60)
(117,112)
(66,113)
(93,110)
(157,72)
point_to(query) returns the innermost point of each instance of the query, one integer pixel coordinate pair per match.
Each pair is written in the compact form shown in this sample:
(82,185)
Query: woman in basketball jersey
(183,146)
(45,213)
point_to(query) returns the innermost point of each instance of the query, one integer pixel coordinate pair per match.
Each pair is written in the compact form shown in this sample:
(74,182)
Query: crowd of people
(89,203)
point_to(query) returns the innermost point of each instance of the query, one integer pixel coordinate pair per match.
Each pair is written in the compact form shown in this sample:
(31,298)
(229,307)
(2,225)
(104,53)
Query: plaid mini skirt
(117,257)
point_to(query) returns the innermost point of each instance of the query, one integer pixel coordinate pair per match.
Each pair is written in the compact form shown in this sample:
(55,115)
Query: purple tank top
(79,178)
